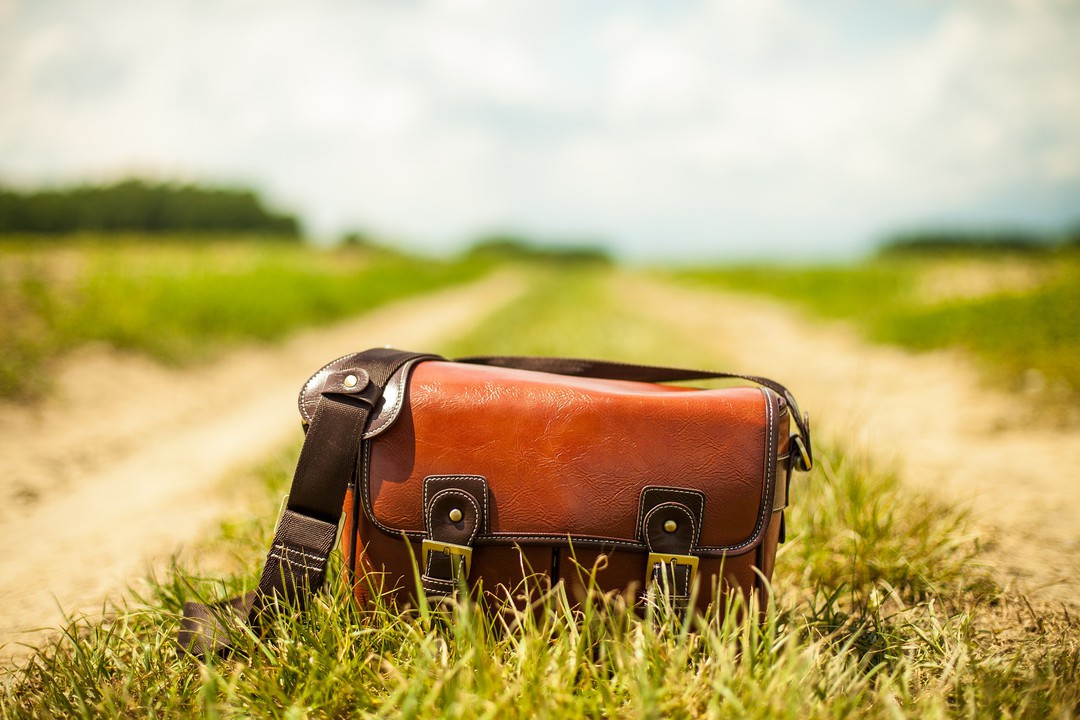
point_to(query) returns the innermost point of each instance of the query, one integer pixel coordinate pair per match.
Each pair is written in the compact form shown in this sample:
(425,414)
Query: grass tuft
(838,642)
(184,302)
(879,609)
(1017,314)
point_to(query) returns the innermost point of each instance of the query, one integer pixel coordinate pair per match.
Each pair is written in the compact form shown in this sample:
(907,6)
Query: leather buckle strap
(667,565)
(451,551)
(455,512)
(669,522)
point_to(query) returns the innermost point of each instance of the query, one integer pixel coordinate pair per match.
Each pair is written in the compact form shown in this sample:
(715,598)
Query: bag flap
(567,458)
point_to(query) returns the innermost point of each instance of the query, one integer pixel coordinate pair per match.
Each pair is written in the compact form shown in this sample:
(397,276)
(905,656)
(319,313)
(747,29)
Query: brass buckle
(450,550)
(804,455)
(672,559)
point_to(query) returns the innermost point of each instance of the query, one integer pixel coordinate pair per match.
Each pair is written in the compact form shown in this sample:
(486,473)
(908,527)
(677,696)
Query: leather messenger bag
(492,468)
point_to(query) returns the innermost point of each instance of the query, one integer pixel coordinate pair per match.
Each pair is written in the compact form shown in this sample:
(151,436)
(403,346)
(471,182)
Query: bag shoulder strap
(295,566)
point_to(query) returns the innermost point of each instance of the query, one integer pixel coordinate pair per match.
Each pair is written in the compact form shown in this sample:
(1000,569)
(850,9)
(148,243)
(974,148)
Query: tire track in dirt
(124,462)
(929,415)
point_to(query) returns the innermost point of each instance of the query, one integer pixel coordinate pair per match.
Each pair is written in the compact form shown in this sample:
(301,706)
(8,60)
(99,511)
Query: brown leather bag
(513,468)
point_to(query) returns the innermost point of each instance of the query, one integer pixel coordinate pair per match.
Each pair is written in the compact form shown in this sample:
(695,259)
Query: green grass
(881,611)
(1014,329)
(184,302)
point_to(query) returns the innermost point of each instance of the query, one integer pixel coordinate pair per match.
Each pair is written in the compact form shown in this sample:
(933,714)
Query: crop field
(182,302)
(1018,313)
(883,604)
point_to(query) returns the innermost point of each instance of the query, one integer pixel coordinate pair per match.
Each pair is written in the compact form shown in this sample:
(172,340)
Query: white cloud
(761,126)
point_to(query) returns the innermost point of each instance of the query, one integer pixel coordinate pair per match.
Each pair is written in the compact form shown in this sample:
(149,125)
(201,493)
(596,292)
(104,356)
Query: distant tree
(357,239)
(502,247)
(513,247)
(139,206)
(967,241)
(1072,235)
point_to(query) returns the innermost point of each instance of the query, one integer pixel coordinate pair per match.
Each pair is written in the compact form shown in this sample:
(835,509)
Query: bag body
(499,470)
(535,475)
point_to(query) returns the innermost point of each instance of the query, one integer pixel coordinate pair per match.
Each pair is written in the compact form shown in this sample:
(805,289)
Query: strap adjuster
(449,550)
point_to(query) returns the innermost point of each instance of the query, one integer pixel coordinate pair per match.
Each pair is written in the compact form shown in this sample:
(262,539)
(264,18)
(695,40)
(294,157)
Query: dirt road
(124,462)
(931,414)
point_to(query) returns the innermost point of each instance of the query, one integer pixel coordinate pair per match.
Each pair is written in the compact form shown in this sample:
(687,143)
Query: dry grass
(881,611)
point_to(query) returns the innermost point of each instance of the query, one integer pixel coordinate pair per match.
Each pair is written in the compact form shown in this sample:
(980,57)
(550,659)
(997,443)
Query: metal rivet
(455,515)
(350,381)
(671,526)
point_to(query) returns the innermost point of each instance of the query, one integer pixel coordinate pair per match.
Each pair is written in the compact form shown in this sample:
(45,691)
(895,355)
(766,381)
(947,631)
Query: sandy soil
(125,461)
(931,416)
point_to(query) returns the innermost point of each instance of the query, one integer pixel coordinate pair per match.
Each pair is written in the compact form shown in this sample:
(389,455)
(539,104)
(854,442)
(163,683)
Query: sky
(771,129)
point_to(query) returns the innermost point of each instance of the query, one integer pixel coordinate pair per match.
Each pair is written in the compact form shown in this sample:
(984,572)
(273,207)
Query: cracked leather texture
(571,456)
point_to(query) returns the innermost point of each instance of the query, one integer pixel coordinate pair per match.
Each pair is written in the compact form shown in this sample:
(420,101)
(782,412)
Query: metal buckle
(804,455)
(672,559)
(448,549)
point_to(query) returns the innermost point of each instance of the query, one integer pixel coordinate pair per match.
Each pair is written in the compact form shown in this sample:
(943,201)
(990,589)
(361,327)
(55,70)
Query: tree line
(1000,240)
(513,247)
(140,206)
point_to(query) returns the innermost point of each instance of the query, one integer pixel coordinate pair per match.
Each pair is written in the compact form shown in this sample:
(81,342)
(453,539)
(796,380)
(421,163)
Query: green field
(881,610)
(181,302)
(1017,313)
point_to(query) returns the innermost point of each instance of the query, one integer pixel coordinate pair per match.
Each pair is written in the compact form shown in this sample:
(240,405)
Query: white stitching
(689,513)
(462,493)
(766,500)
(404,370)
(297,563)
(391,416)
(294,561)
(478,478)
(309,556)
(685,583)
(658,568)
(656,488)
(576,539)
(427,569)
(720,549)
(449,584)
(307,385)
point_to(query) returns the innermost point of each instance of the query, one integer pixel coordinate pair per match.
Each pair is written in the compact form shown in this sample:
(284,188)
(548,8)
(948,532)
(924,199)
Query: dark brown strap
(455,511)
(669,523)
(667,575)
(296,564)
(610,370)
